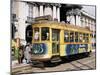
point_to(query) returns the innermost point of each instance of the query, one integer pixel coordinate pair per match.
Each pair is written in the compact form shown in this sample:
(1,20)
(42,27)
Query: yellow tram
(51,39)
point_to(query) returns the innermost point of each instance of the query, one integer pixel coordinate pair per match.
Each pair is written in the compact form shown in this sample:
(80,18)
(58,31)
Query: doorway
(55,41)
(63,13)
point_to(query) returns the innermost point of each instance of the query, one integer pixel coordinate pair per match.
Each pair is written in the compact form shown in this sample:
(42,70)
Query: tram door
(55,41)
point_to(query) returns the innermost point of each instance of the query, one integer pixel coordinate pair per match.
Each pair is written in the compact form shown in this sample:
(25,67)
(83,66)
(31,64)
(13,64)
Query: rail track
(78,64)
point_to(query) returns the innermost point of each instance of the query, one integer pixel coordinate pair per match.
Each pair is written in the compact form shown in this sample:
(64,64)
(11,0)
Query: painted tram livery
(52,39)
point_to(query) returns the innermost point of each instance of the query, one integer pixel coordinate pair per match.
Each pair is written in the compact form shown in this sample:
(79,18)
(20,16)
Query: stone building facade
(23,14)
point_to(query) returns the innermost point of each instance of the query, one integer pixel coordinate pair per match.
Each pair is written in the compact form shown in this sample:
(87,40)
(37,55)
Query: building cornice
(88,15)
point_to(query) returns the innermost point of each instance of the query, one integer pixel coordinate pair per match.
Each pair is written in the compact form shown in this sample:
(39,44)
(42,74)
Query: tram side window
(66,36)
(80,37)
(84,37)
(76,36)
(87,37)
(45,33)
(71,36)
(91,36)
(36,34)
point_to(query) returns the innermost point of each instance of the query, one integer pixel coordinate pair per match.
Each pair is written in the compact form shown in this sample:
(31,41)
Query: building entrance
(63,13)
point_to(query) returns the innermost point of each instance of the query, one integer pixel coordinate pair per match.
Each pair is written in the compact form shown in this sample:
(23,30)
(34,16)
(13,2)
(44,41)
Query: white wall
(21,21)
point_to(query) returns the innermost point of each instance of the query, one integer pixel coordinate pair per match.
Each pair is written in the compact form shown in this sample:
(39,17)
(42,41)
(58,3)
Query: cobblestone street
(79,62)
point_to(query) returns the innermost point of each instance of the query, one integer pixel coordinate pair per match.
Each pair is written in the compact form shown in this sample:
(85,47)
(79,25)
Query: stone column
(92,24)
(41,10)
(72,19)
(47,10)
(27,9)
(83,22)
(37,11)
(21,21)
(87,22)
(58,14)
(34,11)
(54,12)
(78,21)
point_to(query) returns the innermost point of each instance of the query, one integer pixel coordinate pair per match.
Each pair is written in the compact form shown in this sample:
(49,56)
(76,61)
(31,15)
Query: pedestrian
(16,53)
(16,49)
(21,54)
(27,53)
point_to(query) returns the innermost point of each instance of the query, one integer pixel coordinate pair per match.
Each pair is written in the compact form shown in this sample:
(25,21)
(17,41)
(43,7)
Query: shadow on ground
(64,60)
(68,59)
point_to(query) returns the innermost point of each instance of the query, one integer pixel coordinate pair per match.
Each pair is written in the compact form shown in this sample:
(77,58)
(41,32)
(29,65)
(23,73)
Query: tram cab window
(66,36)
(71,36)
(36,34)
(45,33)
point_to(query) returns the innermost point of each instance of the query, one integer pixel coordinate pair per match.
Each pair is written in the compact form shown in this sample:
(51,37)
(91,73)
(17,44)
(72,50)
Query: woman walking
(27,53)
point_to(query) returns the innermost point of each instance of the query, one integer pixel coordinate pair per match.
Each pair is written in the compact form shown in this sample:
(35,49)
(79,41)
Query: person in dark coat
(21,54)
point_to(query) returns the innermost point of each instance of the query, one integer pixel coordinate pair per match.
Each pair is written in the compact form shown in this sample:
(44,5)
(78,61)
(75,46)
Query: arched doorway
(28,34)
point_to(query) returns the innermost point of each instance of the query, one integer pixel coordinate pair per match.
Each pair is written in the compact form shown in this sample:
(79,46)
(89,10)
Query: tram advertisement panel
(75,48)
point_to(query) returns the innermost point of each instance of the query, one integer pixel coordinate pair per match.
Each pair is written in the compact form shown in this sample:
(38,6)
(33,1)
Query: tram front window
(36,34)
(45,33)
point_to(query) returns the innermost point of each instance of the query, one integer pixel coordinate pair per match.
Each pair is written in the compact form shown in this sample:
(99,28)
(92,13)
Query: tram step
(55,59)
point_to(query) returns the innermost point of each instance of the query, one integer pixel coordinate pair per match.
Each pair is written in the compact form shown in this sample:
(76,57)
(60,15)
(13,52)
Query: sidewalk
(17,68)
(15,62)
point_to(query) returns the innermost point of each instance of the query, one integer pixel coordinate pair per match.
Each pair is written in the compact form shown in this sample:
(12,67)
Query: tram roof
(60,25)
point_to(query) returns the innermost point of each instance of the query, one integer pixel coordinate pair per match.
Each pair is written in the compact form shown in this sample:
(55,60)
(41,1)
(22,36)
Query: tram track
(79,64)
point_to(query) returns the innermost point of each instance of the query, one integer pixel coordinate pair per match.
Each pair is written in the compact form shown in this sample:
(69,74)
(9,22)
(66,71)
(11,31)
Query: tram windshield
(36,34)
(41,33)
(45,33)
